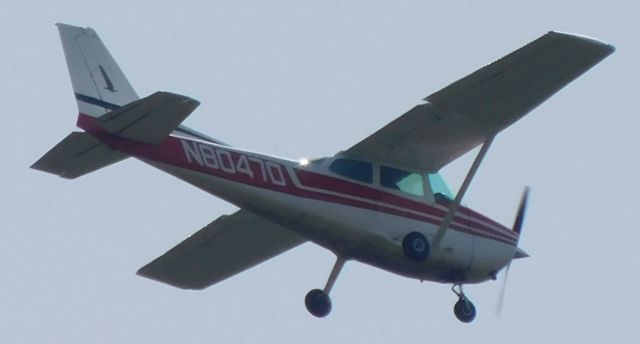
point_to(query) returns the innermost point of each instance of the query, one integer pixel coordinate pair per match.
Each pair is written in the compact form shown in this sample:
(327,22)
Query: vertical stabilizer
(98,83)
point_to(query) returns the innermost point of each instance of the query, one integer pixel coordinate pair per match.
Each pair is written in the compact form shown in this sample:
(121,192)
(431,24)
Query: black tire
(318,303)
(416,246)
(464,310)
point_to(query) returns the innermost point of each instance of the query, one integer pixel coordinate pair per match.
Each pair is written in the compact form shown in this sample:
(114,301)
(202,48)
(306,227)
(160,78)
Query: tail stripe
(94,73)
(97,102)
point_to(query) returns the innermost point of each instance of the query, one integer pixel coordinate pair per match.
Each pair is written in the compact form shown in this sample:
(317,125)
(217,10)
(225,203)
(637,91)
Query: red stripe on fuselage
(172,152)
(320,181)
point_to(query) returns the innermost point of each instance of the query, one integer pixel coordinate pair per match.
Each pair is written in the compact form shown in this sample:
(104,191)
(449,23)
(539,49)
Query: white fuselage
(355,220)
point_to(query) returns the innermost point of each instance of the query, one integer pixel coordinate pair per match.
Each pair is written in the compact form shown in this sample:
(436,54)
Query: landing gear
(464,309)
(416,246)
(318,301)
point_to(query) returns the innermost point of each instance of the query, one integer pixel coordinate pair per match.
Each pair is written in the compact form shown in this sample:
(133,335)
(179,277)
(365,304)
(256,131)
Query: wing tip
(602,46)
(149,273)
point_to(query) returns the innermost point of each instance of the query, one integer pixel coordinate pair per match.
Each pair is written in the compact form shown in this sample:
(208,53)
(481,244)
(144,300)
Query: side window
(402,180)
(353,169)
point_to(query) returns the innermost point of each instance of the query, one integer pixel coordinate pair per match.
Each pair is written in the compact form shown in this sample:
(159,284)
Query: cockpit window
(438,185)
(402,180)
(353,169)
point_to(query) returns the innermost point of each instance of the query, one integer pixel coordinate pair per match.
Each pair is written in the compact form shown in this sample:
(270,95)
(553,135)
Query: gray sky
(307,80)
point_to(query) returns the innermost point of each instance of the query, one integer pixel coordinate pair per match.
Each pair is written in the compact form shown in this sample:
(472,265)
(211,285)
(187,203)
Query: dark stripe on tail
(111,106)
(96,102)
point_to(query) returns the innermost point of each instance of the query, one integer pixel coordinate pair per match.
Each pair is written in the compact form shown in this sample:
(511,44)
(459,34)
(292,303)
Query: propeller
(517,227)
(517,224)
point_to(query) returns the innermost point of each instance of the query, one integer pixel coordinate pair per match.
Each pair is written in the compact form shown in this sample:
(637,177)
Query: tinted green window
(353,169)
(438,185)
(402,180)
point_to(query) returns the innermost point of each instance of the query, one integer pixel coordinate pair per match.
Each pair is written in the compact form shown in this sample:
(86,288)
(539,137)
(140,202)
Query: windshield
(438,185)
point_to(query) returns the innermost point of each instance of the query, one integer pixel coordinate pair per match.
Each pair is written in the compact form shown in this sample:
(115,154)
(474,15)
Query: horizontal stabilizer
(225,247)
(151,119)
(76,155)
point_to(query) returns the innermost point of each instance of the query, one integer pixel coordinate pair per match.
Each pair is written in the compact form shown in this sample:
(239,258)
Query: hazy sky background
(307,79)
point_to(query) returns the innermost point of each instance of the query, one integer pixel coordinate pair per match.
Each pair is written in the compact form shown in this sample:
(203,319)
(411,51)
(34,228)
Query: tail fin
(100,87)
(98,83)
(104,93)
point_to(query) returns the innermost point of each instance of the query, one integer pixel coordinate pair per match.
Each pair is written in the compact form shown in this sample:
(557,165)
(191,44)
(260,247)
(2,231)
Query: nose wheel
(317,301)
(464,309)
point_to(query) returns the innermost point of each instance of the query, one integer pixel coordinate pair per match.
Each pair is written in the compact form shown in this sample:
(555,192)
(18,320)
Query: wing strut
(465,185)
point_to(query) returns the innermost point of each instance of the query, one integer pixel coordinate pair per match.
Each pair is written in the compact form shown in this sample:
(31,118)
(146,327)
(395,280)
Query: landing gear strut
(318,301)
(464,309)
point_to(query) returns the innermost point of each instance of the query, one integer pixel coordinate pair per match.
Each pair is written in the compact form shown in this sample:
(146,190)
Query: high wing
(475,108)
(223,248)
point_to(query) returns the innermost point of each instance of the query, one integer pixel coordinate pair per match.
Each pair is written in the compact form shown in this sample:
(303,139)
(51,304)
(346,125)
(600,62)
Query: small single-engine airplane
(380,202)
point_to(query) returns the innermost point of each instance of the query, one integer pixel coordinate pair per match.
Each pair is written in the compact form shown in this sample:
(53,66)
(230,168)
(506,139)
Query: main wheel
(464,310)
(318,303)
(416,246)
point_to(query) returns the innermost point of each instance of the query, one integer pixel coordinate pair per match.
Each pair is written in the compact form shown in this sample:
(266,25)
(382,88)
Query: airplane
(380,202)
